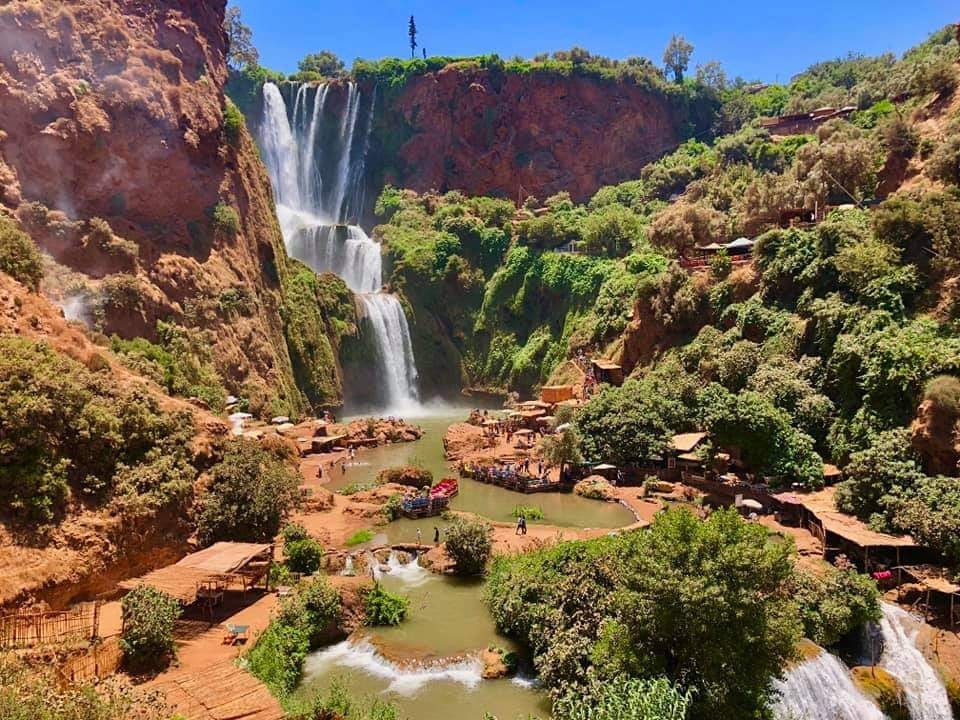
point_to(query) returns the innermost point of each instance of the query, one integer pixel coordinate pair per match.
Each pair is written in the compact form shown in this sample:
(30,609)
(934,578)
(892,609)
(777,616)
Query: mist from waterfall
(314,146)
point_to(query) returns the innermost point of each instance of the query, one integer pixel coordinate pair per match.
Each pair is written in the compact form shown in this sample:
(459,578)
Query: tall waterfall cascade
(925,693)
(821,689)
(313,140)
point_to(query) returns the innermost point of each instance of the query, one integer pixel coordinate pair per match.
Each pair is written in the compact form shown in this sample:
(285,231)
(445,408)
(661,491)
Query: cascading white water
(362,656)
(925,694)
(821,689)
(312,213)
(394,350)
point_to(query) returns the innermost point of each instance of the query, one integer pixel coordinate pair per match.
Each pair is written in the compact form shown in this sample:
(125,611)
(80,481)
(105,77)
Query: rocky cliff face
(114,109)
(486,133)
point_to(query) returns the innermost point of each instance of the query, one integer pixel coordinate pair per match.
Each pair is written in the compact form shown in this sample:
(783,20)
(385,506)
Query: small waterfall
(301,137)
(341,249)
(360,655)
(394,350)
(821,689)
(348,569)
(925,694)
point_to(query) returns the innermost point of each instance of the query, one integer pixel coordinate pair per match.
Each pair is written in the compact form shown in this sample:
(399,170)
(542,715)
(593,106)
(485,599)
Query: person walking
(523,525)
(520,523)
(436,535)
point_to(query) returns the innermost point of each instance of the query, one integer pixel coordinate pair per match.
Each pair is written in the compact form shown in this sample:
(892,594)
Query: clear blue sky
(764,40)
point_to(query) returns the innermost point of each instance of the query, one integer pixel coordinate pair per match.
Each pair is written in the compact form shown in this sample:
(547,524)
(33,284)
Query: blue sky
(768,41)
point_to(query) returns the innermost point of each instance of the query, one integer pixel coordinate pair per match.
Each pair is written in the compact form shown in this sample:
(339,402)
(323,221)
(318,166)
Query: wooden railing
(49,627)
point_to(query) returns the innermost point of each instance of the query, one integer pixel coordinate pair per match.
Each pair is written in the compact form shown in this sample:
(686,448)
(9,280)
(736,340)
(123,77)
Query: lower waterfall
(821,689)
(393,350)
(925,694)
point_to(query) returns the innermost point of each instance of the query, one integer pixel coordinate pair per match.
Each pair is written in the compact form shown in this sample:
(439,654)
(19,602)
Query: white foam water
(821,689)
(925,693)
(362,656)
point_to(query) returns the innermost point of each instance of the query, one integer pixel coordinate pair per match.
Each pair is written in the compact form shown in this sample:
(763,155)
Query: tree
(412,32)
(711,75)
(19,257)
(562,448)
(149,616)
(323,64)
(250,493)
(241,52)
(676,57)
(469,544)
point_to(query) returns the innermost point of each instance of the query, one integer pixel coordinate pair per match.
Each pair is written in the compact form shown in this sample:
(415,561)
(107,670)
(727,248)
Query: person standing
(523,525)
(520,524)
(418,537)
(436,535)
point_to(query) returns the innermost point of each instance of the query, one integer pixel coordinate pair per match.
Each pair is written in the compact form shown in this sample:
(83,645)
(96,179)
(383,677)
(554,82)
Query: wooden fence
(99,661)
(49,627)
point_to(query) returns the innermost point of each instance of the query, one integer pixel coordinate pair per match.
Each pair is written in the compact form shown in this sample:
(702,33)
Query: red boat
(448,487)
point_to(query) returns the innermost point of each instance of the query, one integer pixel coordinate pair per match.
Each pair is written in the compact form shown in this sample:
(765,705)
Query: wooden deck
(221,691)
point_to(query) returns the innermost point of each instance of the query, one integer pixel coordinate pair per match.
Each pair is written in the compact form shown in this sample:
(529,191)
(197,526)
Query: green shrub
(292,532)
(359,538)
(624,698)
(338,703)
(392,507)
(382,607)
(249,495)
(468,543)
(226,219)
(149,617)
(302,623)
(303,556)
(232,123)
(19,257)
(530,512)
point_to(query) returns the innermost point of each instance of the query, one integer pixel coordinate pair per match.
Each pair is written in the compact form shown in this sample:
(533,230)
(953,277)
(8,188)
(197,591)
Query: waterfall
(821,689)
(394,349)
(925,694)
(315,154)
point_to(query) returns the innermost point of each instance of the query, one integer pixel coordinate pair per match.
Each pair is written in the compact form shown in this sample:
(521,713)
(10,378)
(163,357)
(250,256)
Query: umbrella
(604,466)
(751,504)
(565,426)
(524,432)
(740,243)
(546,419)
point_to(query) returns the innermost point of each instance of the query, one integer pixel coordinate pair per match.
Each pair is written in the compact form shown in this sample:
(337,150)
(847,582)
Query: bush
(149,617)
(301,624)
(392,507)
(382,607)
(409,475)
(338,703)
(303,556)
(292,532)
(19,257)
(624,698)
(226,219)
(469,545)
(529,512)
(232,123)
(250,493)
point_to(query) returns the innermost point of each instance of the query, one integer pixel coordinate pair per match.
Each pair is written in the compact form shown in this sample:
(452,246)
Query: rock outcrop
(114,110)
(504,133)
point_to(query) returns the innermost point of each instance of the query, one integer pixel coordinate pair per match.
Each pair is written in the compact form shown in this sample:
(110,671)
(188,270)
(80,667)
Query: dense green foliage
(19,257)
(468,543)
(67,432)
(301,624)
(703,603)
(624,698)
(382,607)
(180,362)
(149,616)
(835,603)
(248,495)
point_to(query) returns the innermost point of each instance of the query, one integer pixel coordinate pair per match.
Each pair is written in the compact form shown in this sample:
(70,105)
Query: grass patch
(360,537)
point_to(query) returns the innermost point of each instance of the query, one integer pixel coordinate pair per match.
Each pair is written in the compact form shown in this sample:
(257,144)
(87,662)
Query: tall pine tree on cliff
(412,32)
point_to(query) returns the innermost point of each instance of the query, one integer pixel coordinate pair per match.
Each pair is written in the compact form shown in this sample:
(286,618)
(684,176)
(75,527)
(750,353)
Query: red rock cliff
(486,133)
(115,109)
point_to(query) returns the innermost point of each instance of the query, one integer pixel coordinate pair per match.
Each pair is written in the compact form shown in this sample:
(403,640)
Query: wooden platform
(221,691)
